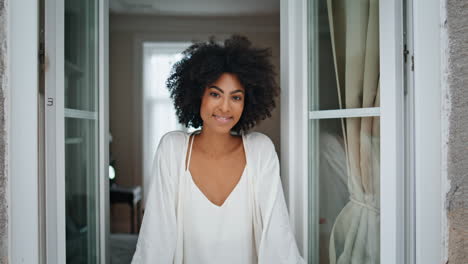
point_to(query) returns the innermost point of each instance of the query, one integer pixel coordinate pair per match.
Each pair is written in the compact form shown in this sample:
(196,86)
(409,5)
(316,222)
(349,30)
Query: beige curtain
(354,25)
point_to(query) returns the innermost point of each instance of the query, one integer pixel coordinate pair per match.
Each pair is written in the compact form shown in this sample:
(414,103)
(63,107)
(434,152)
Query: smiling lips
(223,119)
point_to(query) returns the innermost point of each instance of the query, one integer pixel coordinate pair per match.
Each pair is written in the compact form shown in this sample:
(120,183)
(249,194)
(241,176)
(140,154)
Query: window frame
(294,116)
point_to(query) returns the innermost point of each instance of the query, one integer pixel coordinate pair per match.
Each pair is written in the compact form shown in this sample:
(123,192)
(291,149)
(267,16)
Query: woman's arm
(277,244)
(158,233)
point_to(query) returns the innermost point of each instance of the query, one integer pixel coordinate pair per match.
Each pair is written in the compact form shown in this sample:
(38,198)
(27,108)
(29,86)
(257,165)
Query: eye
(216,95)
(237,98)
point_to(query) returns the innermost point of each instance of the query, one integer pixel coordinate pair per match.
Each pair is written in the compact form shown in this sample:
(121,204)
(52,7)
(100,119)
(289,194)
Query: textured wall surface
(456,26)
(3,174)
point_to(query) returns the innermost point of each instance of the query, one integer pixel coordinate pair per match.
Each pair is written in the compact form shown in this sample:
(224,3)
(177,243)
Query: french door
(76,131)
(342,128)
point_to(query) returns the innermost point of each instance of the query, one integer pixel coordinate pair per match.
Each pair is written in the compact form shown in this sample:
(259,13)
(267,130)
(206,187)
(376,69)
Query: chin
(220,128)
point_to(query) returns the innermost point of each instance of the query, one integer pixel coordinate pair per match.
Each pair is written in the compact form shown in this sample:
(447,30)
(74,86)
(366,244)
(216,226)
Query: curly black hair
(204,62)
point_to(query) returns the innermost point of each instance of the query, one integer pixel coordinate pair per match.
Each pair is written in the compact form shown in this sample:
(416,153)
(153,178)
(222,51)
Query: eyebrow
(221,90)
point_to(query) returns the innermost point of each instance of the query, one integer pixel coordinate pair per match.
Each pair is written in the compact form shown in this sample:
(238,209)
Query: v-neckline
(229,195)
(187,170)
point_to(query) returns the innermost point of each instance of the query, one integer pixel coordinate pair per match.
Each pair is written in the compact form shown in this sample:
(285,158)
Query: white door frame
(54,26)
(392,132)
(21,121)
(294,115)
(429,173)
(103,82)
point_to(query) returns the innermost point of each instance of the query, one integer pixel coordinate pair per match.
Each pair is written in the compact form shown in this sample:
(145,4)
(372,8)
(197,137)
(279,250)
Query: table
(130,196)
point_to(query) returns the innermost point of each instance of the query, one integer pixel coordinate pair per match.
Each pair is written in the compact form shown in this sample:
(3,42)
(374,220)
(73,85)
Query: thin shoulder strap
(190,151)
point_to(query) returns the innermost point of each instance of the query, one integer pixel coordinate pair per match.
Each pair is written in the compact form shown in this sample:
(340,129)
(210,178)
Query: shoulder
(173,140)
(174,136)
(259,141)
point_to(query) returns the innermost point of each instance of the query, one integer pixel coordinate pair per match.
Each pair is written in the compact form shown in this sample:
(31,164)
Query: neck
(215,143)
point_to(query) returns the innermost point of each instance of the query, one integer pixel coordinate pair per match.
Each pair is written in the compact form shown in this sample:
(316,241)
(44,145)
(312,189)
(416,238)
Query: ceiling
(195,7)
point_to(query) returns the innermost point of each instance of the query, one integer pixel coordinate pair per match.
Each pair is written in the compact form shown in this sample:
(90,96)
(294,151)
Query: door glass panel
(345,53)
(81,189)
(81,44)
(81,132)
(346,189)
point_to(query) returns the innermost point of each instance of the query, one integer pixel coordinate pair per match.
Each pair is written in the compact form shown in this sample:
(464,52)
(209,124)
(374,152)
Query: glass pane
(81,45)
(345,190)
(157,70)
(81,189)
(81,132)
(344,48)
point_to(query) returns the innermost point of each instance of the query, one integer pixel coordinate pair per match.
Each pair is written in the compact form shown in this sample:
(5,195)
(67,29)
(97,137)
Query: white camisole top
(217,234)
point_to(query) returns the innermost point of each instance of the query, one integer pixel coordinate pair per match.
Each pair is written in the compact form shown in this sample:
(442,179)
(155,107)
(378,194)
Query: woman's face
(222,104)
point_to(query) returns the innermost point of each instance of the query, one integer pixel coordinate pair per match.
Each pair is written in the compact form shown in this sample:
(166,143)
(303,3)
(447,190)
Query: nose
(225,105)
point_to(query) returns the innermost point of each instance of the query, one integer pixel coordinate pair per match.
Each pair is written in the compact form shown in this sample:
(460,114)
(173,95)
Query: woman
(216,194)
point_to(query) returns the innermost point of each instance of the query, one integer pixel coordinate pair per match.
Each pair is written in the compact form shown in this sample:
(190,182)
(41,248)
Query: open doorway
(145,39)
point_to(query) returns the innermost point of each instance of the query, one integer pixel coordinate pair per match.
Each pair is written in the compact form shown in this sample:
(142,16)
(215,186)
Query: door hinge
(42,61)
(405,57)
(405,53)
(42,56)
(41,52)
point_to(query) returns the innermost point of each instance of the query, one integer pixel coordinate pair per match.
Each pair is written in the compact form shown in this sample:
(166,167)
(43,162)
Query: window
(158,111)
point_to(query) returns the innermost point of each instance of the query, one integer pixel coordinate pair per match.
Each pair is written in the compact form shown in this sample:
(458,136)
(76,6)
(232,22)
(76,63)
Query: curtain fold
(355,237)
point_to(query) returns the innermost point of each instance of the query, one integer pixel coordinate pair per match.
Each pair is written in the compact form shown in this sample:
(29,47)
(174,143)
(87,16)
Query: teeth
(222,117)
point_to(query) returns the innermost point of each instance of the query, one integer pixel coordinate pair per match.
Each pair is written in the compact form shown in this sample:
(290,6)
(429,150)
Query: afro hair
(204,62)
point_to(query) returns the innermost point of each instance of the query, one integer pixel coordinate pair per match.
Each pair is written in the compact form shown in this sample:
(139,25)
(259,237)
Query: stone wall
(3,134)
(456,98)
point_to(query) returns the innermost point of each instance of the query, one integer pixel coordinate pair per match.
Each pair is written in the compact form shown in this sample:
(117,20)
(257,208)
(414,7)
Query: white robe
(161,234)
